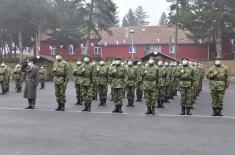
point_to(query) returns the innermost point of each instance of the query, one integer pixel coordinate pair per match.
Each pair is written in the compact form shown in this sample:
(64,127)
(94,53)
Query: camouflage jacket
(42,74)
(85,72)
(218,76)
(118,76)
(77,77)
(150,78)
(18,75)
(2,74)
(162,73)
(186,77)
(131,76)
(102,75)
(61,72)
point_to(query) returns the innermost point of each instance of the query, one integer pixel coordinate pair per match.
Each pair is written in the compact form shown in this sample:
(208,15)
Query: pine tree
(141,16)
(163,20)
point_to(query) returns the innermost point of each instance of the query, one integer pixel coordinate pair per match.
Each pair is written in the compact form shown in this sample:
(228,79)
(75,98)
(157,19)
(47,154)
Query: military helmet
(218,58)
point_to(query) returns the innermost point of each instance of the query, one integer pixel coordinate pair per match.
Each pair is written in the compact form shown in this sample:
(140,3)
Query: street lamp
(132,43)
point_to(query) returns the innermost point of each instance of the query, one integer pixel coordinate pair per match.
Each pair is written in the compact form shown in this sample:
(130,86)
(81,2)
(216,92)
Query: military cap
(33,59)
(218,58)
(186,58)
(118,58)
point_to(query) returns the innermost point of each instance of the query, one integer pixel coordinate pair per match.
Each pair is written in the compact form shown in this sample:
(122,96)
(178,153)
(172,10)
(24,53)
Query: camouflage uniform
(86,72)
(2,79)
(102,83)
(150,84)
(218,76)
(186,83)
(167,84)
(8,78)
(18,77)
(118,77)
(94,81)
(130,80)
(162,73)
(139,82)
(61,77)
(42,76)
(77,80)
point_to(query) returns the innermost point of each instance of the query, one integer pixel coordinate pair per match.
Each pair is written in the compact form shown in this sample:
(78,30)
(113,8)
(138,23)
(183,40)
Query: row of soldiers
(18,76)
(158,81)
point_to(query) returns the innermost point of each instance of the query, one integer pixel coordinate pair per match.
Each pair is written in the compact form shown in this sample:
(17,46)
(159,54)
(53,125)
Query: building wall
(191,51)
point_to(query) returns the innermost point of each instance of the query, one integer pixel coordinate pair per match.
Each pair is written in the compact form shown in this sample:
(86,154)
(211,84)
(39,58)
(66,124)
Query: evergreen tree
(163,20)
(141,16)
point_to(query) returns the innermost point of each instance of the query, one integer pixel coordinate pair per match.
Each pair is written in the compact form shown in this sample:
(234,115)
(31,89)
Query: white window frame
(97,50)
(172,48)
(71,50)
(83,50)
(130,49)
(53,50)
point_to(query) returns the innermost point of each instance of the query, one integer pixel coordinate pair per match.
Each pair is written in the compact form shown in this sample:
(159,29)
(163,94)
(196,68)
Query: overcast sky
(153,7)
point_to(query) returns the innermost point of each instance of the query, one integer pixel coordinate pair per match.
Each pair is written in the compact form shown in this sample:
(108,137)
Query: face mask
(58,57)
(113,62)
(86,59)
(30,64)
(175,64)
(217,62)
(185,62)
(139,63)
(166,64)
(79,62)
(130,63)
(151,61)
(160,63)
(118,62)
(102,63)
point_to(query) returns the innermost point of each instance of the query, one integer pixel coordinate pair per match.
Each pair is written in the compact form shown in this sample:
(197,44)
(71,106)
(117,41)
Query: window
(71,50)
(83,50)
(53,50)
(132,50)
(97,50)
(172,48)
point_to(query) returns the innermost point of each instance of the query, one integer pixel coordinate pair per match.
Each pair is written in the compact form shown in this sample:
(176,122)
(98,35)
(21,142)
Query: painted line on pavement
(137,114)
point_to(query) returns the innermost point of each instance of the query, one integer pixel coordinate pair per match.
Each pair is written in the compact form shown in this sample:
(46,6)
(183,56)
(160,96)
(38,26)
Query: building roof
(143,35)
(158,55)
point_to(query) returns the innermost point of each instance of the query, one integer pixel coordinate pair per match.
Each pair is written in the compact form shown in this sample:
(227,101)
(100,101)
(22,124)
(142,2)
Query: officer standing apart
(42,77)
(150,84)
(218,75)
(186,84)
(31,83)
(118,76)
(61,78)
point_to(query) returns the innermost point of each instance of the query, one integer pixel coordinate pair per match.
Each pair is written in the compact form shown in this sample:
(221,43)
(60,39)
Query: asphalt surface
(44,131)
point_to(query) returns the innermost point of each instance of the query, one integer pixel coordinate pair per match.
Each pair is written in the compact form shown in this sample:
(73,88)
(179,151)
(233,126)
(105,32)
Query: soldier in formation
(18,76)
(218,75)
(61,77)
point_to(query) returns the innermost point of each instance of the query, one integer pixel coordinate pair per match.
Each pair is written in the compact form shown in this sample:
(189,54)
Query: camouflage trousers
(217,98)
(161,92)
(117,96)
(139,89)
(87,94)
(60,93)
(130,92)
(42,82)
(103,89)
(18,83)
(94,89)
(151,97)
(167,91)
(78,92)
(186,97)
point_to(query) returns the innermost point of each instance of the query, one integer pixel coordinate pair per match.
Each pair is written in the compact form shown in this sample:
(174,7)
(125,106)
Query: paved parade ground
(44,131)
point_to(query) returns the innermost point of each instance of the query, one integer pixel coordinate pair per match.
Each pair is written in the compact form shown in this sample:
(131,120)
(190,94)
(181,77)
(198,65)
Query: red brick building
(146,40)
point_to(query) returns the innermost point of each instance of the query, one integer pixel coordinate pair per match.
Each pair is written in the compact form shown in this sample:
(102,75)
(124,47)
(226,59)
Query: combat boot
(78,102)
(120,108)
(132,103)
(129,103)
(89,107)
(162,104)
(138,98)
(85,107)
(115,109)
(59,107)
(158,104)
(104,102)
(101,102)
(214,112)
(62,108)
(153,110)
(182,110)
(220,112)
(188,111)
(149,111)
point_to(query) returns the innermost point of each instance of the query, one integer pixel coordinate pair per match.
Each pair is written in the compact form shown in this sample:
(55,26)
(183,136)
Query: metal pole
(176,29)
(132,44)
